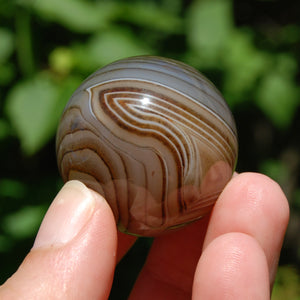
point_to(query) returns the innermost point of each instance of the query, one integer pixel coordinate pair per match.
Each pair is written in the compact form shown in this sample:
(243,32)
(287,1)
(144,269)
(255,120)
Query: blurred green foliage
(249,49)
(287,284)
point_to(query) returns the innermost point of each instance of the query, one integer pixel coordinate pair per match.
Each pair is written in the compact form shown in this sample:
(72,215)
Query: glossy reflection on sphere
(154,137)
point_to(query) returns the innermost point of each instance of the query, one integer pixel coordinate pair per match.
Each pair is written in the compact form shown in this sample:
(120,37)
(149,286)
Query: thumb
(73,256)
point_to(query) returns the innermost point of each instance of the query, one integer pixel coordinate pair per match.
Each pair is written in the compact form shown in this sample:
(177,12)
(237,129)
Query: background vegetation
(250,49)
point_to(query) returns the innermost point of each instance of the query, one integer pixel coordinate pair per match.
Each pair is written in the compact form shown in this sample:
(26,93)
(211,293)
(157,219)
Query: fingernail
(70,211)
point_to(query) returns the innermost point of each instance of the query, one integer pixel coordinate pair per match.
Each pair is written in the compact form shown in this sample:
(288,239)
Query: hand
(75,251)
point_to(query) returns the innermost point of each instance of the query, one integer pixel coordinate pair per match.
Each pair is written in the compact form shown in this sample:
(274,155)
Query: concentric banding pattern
(159,155)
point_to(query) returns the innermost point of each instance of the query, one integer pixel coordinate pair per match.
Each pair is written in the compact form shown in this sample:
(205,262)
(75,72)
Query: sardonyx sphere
(154,137)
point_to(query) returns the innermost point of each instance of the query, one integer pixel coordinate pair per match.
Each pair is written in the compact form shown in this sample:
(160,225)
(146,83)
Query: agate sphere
(154,137)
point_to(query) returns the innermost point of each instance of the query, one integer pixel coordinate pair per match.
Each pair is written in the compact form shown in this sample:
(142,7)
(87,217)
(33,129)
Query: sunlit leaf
(278,98)
(35,106)
(108,46)
(210,23)
(66,88)
(61,60)
(150,15)
(32,107)
(244,64)
(25,222)
(77,15)
(287,284)
(6,44)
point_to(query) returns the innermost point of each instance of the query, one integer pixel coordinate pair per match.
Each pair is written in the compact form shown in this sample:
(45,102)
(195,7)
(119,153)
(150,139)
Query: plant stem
(24,42)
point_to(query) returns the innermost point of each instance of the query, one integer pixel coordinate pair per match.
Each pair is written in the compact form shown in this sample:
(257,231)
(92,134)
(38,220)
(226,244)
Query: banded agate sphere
(154,137)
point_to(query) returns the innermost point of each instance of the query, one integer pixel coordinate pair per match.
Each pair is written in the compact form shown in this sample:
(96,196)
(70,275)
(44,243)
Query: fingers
(74,254)
(232,266)
(255,205)
(169,270)
(244,238)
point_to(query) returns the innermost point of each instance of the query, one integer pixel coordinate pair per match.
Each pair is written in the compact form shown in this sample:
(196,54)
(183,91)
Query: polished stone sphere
(154,137)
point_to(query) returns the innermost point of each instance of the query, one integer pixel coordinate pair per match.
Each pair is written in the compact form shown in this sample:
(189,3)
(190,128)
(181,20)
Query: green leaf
(244,65)
(287,284)
(11,188)
(61,60)
(4,129)
(150,15)
(210,23)
(66,89)
(77,15)
(35,106)
(278,97)
(108,46)
(276,170)
(25,222)
(88,16)
(7,73)
(6,44)
(290,34)
(31,107)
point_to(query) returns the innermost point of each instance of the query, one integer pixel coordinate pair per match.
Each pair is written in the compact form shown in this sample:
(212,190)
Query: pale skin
(231,254)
